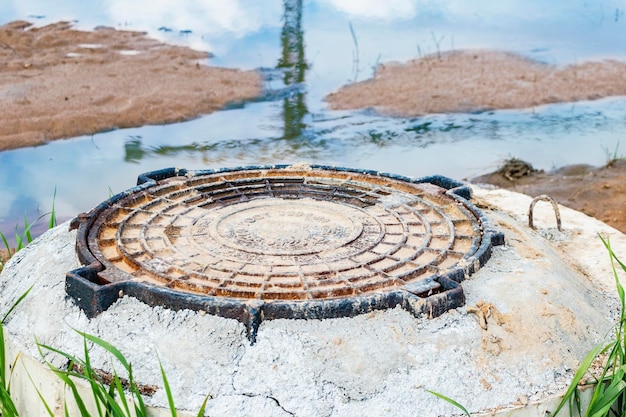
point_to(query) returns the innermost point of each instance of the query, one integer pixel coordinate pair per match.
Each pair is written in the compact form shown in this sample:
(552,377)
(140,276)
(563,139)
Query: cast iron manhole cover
(260,243)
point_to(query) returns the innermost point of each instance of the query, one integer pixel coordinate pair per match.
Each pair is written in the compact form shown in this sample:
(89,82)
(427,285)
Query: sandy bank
(57,82)
(473,80)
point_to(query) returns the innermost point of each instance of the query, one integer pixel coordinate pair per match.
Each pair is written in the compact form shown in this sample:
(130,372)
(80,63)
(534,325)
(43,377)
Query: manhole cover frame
(94,295)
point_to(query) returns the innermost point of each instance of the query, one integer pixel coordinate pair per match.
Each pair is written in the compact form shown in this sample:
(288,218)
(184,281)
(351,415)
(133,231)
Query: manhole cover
(260,243)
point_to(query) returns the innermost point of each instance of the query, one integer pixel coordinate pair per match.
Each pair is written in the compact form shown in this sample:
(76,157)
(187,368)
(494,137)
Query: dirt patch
(489,317)
(4,256)
(57,82)
(597,192)
(472,80)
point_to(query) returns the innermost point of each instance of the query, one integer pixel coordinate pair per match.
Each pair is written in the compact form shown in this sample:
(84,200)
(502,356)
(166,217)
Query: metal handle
(555,206)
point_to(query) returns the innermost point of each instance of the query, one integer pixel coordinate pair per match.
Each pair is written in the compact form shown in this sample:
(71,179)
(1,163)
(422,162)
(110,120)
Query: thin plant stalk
(168,391)
(450,401)
(114,398)
(24,238)
(7,406)
(53,217)
(41,397)
(7,247)
(609,392)
(355,57)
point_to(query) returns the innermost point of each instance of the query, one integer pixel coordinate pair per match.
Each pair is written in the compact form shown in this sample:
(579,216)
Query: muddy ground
(599,192)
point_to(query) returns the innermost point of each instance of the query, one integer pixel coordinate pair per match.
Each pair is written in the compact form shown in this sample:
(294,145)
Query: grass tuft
(7,406)
(611,156)
(609,392)
(24,238)
(113,395)
(110,398)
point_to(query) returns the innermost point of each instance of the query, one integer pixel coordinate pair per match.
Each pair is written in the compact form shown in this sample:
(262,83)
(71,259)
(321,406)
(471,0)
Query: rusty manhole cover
(260,243)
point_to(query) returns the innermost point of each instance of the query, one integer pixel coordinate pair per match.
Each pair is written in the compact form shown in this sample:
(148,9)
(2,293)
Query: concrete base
(532,312)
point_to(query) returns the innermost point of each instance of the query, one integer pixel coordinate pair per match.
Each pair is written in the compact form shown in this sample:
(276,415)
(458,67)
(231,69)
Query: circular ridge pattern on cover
(284,234)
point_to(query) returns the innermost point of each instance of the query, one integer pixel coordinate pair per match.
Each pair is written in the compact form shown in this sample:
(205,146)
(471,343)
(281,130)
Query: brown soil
(474,80)
(597,192)
(56,82)
(4,256)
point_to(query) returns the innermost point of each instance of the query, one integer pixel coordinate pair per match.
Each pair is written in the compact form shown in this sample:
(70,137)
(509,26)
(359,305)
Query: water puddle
(305,50)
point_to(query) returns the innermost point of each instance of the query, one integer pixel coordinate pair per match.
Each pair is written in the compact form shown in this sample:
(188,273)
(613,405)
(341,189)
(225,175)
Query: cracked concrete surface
(540,317)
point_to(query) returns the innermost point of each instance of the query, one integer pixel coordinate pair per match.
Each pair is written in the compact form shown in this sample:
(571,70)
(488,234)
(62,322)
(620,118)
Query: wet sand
(57,82)
(476,80)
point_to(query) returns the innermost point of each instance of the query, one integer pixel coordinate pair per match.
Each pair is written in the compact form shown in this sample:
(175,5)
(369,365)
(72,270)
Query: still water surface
(305,50)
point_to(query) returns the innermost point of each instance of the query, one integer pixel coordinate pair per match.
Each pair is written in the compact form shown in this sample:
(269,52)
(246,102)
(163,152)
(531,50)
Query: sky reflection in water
(306,50)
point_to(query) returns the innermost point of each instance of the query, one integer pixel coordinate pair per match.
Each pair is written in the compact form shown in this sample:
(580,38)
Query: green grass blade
(580,372)
(606,400)
(96,387)
(12,367)
(43,400)
(140,407)
(15,304)
(112,408)
(71,359)
(111,394)
(53,218)
(105,396)
(7,247)
(168,391)
(3,377)
(203,406)
(29,237)
(120,392)
(619,262)
(451,401)
(620,288)
(7,407)
(19,241)
(106,346)
(100,394)
(67,356)
(576,401)
(77,398)
(5,242)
